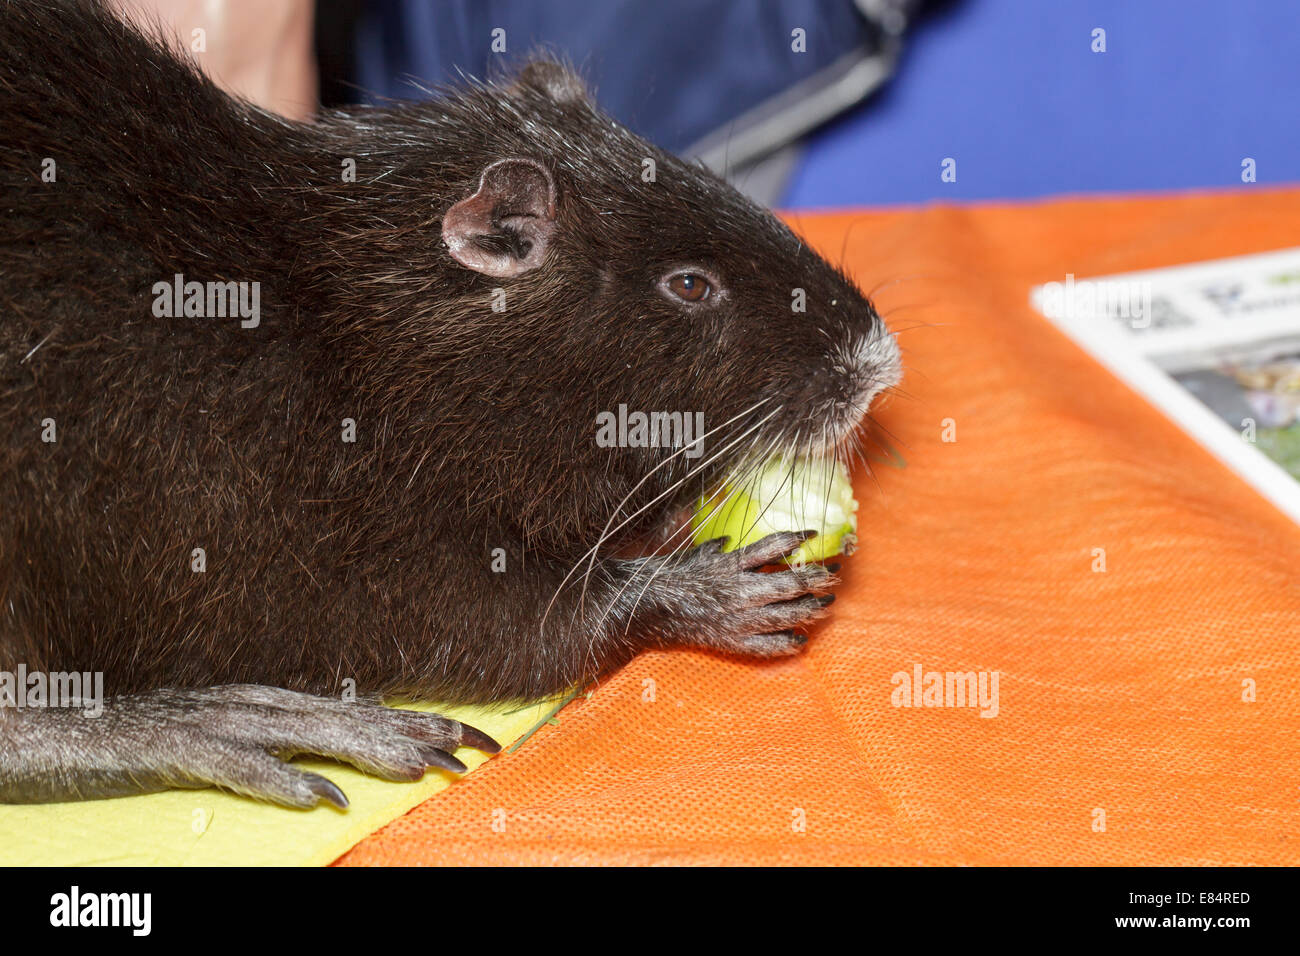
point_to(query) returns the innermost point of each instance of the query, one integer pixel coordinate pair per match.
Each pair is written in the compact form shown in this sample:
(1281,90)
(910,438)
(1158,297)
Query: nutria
(295,410)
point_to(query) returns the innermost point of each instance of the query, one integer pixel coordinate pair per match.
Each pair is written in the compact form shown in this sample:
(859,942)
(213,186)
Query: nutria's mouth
(753,500)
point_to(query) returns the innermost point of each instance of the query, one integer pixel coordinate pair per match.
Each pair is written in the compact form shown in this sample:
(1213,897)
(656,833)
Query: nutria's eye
(689,286)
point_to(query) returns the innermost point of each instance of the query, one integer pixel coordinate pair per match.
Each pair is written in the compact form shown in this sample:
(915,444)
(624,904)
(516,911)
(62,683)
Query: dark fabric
(335,32)
(672,70)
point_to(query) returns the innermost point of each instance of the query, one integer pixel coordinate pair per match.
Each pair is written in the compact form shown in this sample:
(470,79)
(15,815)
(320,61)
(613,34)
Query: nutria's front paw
(723,600)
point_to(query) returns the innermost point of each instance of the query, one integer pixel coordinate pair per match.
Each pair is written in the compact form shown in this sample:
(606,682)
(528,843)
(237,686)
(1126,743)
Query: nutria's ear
(554,80)
(503,229)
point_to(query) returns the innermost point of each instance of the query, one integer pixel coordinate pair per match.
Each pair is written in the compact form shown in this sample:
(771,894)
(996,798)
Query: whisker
(606,531)
(666,493)
(752,464)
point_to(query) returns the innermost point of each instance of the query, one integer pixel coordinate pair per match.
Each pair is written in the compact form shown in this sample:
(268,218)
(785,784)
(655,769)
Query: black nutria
(273,430)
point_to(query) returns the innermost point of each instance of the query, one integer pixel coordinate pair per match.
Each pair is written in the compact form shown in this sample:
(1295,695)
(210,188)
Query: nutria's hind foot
(238,737)
(266,726)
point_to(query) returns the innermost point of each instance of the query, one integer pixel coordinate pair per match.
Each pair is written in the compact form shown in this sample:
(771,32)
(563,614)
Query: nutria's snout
(859,366)
(873,363)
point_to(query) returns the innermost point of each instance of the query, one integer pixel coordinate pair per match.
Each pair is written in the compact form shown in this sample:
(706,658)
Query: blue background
(1008,88)
(1012,91)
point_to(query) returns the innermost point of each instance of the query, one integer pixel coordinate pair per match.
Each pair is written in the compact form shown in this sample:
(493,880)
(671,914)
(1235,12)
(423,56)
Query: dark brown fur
(329,561)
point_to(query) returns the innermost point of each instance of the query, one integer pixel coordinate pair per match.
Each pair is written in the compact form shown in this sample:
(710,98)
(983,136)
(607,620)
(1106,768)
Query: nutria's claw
(433,757)
(473,737)
(326,790)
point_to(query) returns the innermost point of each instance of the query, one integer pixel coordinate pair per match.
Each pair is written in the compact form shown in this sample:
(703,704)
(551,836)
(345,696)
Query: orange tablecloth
(1119,691)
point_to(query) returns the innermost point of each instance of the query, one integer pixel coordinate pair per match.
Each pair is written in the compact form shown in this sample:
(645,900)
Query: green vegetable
(785,495)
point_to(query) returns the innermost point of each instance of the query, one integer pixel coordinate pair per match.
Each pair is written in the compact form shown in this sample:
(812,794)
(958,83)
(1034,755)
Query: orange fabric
(1120,690)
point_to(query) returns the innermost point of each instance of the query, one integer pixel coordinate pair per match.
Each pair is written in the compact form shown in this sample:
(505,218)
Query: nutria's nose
(875,361)
(861,366)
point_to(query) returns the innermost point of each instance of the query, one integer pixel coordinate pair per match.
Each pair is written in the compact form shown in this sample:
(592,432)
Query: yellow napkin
(212,828)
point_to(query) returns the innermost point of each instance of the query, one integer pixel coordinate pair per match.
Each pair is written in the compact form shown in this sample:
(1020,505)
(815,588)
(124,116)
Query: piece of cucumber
(785,495)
